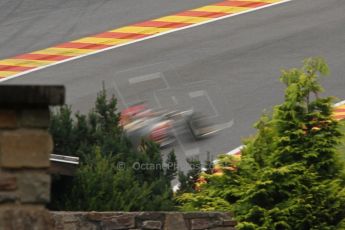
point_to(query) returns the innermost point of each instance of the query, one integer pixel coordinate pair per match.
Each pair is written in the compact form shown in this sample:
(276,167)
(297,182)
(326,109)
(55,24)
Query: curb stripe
(106,41)
(64,51)
(205,14)
(14,68)
(162,24)
(184,19)
(127,35)
(141,30)
(78,45)
(266,1)
(223,9)
(241,3)
(4,74)
(340,104)
(24,62)
(339,117)
(46,57)
(120,35)
(236,151)
(339,111)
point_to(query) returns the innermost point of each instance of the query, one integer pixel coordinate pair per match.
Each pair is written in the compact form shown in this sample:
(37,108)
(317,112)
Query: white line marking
(120,94)
(140,67)
(157,100)
(165,81)
(192,152)
(200,82)
(201,93)
(174,100)
(216,113)
(198,93)
(339,103)
(143,39)
(232,152)
(148,77)
(178,140)
(236,150)
(225,125)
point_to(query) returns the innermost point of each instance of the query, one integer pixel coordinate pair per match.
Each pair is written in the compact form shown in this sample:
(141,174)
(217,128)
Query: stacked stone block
(143,221)
(25,147)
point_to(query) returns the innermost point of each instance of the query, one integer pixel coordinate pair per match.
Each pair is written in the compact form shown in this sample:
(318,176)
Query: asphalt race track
(227,69)
(28,25)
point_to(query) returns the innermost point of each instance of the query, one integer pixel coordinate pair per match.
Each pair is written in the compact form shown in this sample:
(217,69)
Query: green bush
(106,179)
(290,175)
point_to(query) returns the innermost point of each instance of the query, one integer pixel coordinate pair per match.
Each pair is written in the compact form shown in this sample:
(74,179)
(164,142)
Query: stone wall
(25,147)
(143,220)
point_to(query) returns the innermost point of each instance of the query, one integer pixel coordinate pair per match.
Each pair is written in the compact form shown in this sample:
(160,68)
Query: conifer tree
(112,175)
(289,176)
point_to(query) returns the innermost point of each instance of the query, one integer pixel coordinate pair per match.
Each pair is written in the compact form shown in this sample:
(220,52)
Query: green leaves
(293,187)
(289,176)
(202,202)
(314,65)
(112,175)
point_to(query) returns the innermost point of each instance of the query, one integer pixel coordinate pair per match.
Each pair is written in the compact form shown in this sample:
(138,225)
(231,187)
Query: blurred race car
(139,123)
(200,126)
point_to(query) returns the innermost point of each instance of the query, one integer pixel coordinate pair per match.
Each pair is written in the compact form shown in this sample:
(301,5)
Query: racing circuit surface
(227,69)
